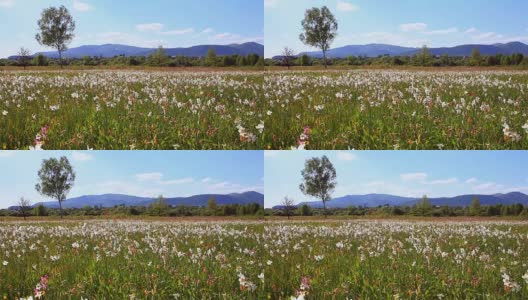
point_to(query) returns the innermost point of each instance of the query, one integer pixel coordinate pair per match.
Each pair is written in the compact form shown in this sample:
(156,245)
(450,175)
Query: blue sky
(404,22)
(139,173)
(170,23)
(402,173)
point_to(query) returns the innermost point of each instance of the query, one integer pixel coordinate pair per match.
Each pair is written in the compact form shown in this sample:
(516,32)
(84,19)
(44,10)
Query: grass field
(98,109)
(397,260)
(132,260)
(396,109)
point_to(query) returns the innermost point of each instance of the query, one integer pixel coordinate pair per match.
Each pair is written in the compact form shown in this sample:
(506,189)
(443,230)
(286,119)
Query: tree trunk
(60,208)
(324,208)
(60,63)
(324,55)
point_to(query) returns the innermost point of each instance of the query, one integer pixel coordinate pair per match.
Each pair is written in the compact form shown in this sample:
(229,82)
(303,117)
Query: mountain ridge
(111,200)
(375,50)
(112,50)
(374,200)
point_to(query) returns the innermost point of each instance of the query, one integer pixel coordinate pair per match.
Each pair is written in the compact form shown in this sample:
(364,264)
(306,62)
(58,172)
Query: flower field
(397,260)
(131,110)
(396,109)
(131,260)
(253,260)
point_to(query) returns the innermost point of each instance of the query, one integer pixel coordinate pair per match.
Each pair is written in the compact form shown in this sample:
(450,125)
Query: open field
(131,110)
(396,109)
(132,260)
(397,260)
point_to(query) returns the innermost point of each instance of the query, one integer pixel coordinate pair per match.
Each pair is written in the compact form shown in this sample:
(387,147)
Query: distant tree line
(158,208)
(156,59)
(423,58)
(423,208)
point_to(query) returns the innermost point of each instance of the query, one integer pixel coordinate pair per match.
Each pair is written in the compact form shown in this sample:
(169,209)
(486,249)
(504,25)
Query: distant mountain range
(375,50)
(374,200)
(111,50)
(111,200)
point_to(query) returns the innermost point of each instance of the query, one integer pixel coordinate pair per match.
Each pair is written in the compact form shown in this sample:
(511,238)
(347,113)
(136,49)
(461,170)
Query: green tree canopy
(56,178)
(57,29)
(319,179)
(320,29)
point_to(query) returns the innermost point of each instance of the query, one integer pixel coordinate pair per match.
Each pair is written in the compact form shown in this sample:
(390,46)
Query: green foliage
(319,179)
(212,207)
(40,60)
(424,207)
(40,211)
(158,58)
(57,29)
(474,208)
(211,59)
(320,29)
(159,207)
(476,58)
(56,178)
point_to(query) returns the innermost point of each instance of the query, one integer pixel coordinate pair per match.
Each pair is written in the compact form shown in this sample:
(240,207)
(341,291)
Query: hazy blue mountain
(374,200)
(374,50)
(111,200)
(370,200)
(111,50)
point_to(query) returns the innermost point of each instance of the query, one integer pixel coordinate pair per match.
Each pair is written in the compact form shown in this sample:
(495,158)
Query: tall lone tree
(319,179)
(57,29)
(56,179)
(320,29)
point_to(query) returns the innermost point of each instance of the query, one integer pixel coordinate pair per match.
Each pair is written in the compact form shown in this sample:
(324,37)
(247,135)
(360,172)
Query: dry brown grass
(134,68)
(398,68)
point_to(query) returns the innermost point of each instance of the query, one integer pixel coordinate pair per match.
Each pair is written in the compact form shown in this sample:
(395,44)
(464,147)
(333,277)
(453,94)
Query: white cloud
(383,38)
(271,153)
(442,181)
(4,153)
(206,179)
(488,188)
(422,179)
(178,31)
(226,187)
(414,177)
(82,6)
(346,6)
(346,156)
(471,30)
(154,176)
(488,35)
(271,3)
(413,27)
(119,187)
(177,181)
(149,27)
(472,180)
(208,30)
(116,37)
(7,3)
(81,156)
(381,187)
(233,38)
(442,31)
